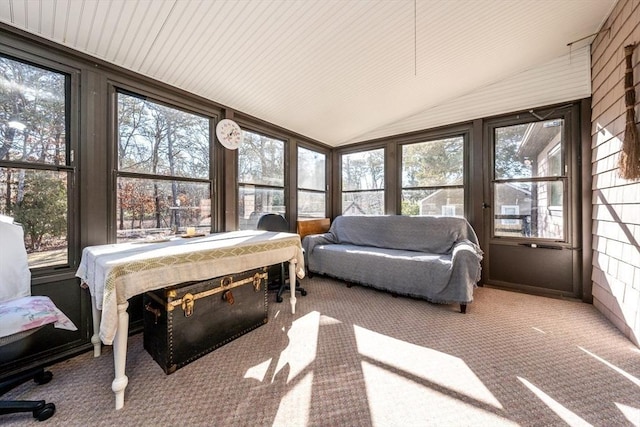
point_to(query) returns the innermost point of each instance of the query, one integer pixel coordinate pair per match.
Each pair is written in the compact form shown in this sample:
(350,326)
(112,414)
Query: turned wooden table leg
(95,338)
(120,355)
(292,284)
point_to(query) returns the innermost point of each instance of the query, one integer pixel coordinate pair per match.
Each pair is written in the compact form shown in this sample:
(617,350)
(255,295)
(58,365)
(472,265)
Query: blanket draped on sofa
(435,258)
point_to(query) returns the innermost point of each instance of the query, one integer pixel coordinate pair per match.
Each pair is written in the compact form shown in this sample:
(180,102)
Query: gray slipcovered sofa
(435,258)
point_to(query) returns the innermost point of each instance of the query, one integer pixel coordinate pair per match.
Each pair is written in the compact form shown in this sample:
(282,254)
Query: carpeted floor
(359,357)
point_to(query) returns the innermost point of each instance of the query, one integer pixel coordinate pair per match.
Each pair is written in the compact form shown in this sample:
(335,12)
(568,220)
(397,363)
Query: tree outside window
(433,177)
(35,173)
(530,175)
(261,178)
(363,183)
(312,196)
(163,177)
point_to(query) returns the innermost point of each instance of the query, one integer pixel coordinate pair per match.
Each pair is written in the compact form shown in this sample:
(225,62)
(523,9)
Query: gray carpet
(359,357)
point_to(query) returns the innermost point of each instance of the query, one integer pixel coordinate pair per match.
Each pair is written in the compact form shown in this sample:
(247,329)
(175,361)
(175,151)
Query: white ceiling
(337,71)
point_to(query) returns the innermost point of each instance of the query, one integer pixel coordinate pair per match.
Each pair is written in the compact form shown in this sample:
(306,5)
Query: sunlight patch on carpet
(397,400)
(625,374)
(567,416)
(631,413)
(432,366)
(327,320)
(258,371)
(295,404)
(303,345)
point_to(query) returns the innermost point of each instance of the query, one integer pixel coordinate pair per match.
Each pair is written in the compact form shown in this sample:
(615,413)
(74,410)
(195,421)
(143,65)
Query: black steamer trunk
(187,321)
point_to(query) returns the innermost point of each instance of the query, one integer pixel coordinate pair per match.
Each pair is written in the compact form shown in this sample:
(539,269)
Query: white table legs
(292,284)
(95,338)
(121,381)
(120,355)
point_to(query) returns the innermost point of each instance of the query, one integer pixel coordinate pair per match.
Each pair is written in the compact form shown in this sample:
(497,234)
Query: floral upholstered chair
(22,314)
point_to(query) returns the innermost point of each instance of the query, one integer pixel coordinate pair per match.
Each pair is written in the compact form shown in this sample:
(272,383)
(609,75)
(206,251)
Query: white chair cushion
(22,314)
(15,276)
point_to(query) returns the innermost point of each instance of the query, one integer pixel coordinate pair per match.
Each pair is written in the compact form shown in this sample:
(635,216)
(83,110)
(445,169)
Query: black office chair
(23,314)
(275,222)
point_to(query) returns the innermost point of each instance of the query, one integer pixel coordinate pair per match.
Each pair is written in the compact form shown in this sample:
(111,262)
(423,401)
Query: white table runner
(114,273)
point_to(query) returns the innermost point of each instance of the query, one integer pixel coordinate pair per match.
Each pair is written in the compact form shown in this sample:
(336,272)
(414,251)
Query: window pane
(363,203)
(160,140)
(148,207)
(363,170)
(311,170)
(254,201)
(531,209)
(32,114)
(529,150)
(261,160)
(311,205)
(441,202)
(433,163)
(38,201)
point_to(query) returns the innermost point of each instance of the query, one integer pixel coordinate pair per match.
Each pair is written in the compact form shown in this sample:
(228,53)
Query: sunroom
(109,111)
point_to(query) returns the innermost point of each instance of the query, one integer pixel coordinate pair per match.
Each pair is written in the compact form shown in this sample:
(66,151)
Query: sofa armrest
(310,241)
(466,255)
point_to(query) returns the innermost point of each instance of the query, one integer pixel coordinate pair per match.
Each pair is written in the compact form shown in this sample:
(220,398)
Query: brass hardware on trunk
(257,281)
(228,297)
(187,304)
(156,311)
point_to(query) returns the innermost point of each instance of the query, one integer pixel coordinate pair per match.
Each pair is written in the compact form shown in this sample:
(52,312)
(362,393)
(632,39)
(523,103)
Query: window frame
(561,113)
(325,192)
(165,99)
(72,120)
(265,132)
(454,133)
(362,149)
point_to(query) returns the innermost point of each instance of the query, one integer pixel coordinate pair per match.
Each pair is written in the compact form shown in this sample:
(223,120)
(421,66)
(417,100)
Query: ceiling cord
(415,40)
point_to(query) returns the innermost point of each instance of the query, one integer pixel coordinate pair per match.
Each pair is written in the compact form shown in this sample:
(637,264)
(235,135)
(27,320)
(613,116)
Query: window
(312,197)
(163,177)
(35,158)
(510,214)
(433,177)
(363,183)
(260,178)
(529,180)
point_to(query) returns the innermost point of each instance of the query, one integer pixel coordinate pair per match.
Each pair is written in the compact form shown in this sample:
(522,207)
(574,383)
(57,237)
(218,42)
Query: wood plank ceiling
(337,71)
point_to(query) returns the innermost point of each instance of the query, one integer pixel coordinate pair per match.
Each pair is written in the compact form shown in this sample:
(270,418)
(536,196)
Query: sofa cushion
(423,234)
(411,273)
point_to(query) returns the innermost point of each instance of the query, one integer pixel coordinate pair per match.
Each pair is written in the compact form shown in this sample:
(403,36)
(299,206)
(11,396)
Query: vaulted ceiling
(339,71)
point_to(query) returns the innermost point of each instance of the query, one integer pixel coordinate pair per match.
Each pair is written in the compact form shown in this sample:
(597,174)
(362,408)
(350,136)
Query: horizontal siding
(616,201)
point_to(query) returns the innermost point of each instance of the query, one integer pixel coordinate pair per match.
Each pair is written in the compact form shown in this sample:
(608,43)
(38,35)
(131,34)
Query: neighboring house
(353,209)
(443,202)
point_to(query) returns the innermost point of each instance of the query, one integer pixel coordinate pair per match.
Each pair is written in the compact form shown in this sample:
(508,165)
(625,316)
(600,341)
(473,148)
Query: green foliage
(43,209)
(410,208)
(508,160)
(433,163)
(363,170)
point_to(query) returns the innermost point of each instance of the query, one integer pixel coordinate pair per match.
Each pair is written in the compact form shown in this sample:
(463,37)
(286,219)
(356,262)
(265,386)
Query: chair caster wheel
(45,412)
(279,299)
(43,377)
(303,293)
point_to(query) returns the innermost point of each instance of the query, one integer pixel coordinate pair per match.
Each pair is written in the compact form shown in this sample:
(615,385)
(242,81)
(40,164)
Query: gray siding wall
(616,202)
